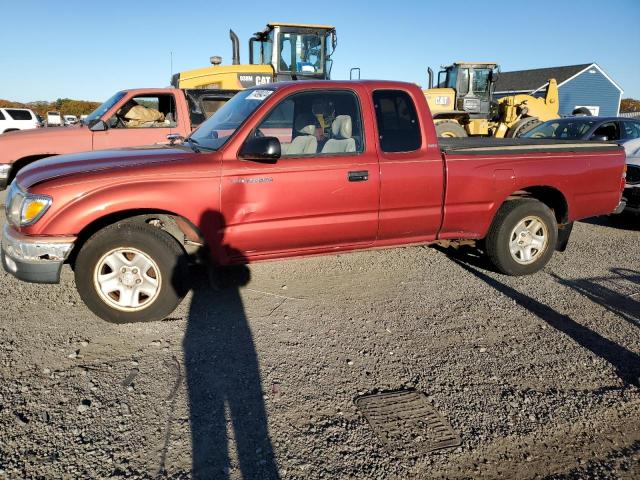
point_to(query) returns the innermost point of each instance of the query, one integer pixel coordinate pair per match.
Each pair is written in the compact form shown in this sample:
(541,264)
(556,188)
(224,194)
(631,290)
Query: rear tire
(131,272)
(582,111)
(450,129)
(522,237)
(522,126)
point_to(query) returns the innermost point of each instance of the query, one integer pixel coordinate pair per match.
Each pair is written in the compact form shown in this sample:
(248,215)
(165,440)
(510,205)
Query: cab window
(315,124)
(463,86)
(398,126)
(146,111)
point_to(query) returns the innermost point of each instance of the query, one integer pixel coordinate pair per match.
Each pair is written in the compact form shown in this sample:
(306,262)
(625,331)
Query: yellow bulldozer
(462,104)
(282,51)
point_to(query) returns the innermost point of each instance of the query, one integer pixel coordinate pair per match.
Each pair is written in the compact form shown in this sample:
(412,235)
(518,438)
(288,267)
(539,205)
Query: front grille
(633,174)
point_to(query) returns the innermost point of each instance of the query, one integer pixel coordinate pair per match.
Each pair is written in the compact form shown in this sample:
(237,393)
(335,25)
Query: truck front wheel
(522,237)
(131,272)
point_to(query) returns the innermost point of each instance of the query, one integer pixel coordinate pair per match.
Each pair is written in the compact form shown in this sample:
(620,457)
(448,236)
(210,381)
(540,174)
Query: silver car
(632,188)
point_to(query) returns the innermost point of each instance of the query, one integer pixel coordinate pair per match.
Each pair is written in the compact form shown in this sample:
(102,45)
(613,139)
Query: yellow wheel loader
(282,51)
(462,104)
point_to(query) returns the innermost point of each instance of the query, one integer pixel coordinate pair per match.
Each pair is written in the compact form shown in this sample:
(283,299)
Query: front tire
(450,129)
(131,272)
(522,237)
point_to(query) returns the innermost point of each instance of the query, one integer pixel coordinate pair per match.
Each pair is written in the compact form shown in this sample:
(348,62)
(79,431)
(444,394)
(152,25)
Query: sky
(88,50)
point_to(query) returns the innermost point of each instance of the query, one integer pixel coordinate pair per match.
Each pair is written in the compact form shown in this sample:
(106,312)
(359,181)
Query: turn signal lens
(33,207)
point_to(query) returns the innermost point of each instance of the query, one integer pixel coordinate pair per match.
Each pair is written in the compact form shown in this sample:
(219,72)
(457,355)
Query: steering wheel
(120,122)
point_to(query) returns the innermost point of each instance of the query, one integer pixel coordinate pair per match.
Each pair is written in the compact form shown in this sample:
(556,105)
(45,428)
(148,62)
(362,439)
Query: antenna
(171,63)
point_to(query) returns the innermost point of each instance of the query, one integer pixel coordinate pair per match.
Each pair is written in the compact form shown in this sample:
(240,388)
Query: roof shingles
(530,80)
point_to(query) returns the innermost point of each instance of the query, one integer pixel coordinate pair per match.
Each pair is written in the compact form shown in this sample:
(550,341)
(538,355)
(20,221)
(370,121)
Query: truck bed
(497,146)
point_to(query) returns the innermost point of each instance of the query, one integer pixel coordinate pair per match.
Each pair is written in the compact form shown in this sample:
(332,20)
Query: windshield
(301,53)
(215,132)
(569,129)
(104,108)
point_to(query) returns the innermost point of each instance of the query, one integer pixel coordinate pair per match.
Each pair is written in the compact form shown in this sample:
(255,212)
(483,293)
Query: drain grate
(406,422)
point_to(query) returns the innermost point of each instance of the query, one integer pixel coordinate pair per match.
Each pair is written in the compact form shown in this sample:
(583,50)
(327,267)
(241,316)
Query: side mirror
(174,137)
(261,149)
(599,138)
(98,126)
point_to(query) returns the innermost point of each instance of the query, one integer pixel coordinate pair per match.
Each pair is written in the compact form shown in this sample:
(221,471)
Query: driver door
(321,194)
(126,131)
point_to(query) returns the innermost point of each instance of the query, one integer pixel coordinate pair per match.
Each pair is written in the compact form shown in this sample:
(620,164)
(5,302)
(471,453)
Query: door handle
(358,176)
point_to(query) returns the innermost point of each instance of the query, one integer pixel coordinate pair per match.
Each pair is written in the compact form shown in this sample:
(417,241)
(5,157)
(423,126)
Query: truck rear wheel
(450,129)
(522,237)
(131,272)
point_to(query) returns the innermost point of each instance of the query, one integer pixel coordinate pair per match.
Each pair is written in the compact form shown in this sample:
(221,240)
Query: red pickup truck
(114,124)
(295,169)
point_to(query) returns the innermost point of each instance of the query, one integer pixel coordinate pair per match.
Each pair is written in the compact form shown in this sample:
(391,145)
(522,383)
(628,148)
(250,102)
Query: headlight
(24,208)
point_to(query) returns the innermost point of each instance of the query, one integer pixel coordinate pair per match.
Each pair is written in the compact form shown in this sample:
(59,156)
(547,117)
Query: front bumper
(621,206)
(5,168)
(34,259)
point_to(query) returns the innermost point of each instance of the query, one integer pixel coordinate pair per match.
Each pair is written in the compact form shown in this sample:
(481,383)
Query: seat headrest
(306,124)
(341,127)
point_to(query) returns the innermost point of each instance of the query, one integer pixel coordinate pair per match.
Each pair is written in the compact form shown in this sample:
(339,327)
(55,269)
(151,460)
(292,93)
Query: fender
(180,197)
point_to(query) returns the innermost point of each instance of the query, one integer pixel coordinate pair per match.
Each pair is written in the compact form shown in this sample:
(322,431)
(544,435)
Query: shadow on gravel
(626,363)
(595,289)
(468,255)
(621,222)
(223,377)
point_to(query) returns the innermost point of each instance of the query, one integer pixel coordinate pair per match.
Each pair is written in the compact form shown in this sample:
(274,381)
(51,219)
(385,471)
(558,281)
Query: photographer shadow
(226,404)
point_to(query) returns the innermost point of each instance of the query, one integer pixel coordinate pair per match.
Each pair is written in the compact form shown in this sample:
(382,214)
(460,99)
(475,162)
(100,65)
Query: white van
(17,119)
(54,119)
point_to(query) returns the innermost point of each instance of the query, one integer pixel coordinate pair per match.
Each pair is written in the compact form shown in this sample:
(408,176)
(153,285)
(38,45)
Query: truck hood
(36,134)
(43,141)
(67,165)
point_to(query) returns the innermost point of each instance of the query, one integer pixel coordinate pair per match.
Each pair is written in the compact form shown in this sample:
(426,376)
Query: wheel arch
(180,228)
(552,197)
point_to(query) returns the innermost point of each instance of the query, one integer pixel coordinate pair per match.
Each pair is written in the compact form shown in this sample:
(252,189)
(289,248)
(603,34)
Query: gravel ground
(538,375)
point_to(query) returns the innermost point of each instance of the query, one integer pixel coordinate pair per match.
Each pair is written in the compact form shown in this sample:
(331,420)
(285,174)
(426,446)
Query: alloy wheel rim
(528,240)
(127,279)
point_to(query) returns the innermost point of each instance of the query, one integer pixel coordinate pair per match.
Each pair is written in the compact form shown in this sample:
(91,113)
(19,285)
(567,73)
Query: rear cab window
(203,104)
(397,121)
(1,116)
